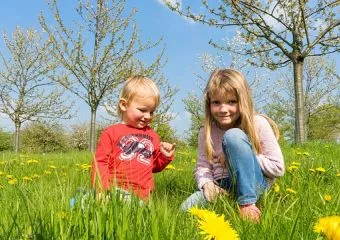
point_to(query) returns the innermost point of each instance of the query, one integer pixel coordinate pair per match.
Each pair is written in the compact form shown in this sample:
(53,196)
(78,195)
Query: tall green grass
(35,191)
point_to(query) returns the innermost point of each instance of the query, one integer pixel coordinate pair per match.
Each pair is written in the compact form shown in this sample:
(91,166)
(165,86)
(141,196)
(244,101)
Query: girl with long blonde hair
(238,149)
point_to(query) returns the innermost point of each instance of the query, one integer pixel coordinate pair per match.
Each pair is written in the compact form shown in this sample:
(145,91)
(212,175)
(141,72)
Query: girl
(237,148)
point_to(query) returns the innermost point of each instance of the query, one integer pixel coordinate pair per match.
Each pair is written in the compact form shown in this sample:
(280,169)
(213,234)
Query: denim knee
(234,136)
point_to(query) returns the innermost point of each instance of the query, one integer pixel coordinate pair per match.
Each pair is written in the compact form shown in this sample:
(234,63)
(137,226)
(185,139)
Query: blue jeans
(246,179)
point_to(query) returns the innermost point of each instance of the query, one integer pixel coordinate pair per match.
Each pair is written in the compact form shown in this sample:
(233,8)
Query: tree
(194,103)
(279,32)
(324,124)
(40,137)
(26,94)
(321,90)
(100,55)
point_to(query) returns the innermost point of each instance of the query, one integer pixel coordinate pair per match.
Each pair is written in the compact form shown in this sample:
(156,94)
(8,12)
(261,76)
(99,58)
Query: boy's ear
(122,104)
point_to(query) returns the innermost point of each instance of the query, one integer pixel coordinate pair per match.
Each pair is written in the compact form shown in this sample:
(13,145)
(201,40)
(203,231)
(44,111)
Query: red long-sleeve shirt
(126,157)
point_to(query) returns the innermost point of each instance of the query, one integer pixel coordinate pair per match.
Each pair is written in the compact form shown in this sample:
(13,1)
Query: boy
(129,152)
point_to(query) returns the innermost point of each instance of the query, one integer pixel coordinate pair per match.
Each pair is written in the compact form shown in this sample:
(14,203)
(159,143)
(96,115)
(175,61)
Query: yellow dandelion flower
(47,172)
(85,166)
(329,226)
(290,190)
(61,215)
(2,173)
(27,178)
(338,174)
(320,169)
(170,167)
(312,170)
(9,176)
(213,226)
(32,161)
(292,168)
(296,163)
(327,197)
(12,181)
(276,187)
(52,167)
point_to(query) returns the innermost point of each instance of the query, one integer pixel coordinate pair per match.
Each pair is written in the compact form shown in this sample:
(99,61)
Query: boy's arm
(100,164)
(164,156)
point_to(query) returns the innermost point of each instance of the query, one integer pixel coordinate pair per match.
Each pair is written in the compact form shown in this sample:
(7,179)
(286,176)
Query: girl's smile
(224,109)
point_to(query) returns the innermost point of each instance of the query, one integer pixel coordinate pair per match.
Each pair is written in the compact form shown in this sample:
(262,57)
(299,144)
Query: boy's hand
(167,149)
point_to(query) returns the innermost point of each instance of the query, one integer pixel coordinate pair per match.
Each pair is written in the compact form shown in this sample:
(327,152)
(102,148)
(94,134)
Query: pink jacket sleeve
(204,169)
(271,158)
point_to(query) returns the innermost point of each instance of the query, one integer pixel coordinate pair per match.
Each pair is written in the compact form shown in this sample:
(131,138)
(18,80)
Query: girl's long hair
(230,81)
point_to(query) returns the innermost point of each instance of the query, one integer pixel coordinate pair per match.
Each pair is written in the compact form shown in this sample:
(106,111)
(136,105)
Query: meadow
(35,193)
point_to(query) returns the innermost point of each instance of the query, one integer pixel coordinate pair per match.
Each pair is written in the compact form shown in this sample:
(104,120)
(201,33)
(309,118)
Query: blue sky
(184,41)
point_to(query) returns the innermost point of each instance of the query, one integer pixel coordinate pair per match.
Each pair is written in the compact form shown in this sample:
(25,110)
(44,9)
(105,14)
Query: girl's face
(224,109)
(138,112)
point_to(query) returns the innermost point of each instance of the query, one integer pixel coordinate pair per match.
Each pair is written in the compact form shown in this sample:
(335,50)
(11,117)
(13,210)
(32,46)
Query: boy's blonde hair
(138,86)
(230,81)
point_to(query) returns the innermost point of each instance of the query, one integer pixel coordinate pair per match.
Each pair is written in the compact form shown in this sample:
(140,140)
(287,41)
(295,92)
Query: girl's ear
(122,104)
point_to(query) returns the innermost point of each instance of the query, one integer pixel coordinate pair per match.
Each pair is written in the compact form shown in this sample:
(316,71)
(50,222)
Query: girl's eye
(232,102)
(215,102)
(151,113)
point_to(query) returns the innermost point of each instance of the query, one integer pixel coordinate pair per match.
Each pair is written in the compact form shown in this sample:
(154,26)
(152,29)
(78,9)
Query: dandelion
(327,197)
(32,161)
(296,163)
(9,176)
(61,215)
(47,172)
(27,178)
(85,166)
(276,187)
(320,169)
(12,181)
(329,226)
(292,168)
(52,167)
(213,226)
(338,174)
(290,190)
(2,173)
(170,167)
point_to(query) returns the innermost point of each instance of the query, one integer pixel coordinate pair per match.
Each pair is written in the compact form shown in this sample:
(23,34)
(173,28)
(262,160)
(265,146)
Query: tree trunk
(16,137)
(300,133)
(92,145)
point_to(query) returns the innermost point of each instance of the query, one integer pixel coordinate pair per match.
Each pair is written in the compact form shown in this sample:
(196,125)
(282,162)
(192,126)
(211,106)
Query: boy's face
(138,112)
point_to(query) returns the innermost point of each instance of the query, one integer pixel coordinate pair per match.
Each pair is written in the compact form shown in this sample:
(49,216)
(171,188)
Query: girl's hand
(167,149)
(211,191)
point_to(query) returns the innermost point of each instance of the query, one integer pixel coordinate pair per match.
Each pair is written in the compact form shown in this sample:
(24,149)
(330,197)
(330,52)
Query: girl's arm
(203,170)
(270,158)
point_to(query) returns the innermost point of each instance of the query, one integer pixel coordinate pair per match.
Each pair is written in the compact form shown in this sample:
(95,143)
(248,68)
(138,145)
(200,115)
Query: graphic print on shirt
(136,148)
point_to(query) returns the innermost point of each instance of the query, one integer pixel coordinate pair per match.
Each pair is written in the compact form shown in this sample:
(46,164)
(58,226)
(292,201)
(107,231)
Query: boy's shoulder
(124,129)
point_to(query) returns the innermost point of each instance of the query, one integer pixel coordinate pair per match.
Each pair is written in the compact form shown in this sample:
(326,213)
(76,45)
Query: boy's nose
(147,115)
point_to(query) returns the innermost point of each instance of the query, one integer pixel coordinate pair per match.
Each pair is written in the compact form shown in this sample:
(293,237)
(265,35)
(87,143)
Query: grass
(35,191)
